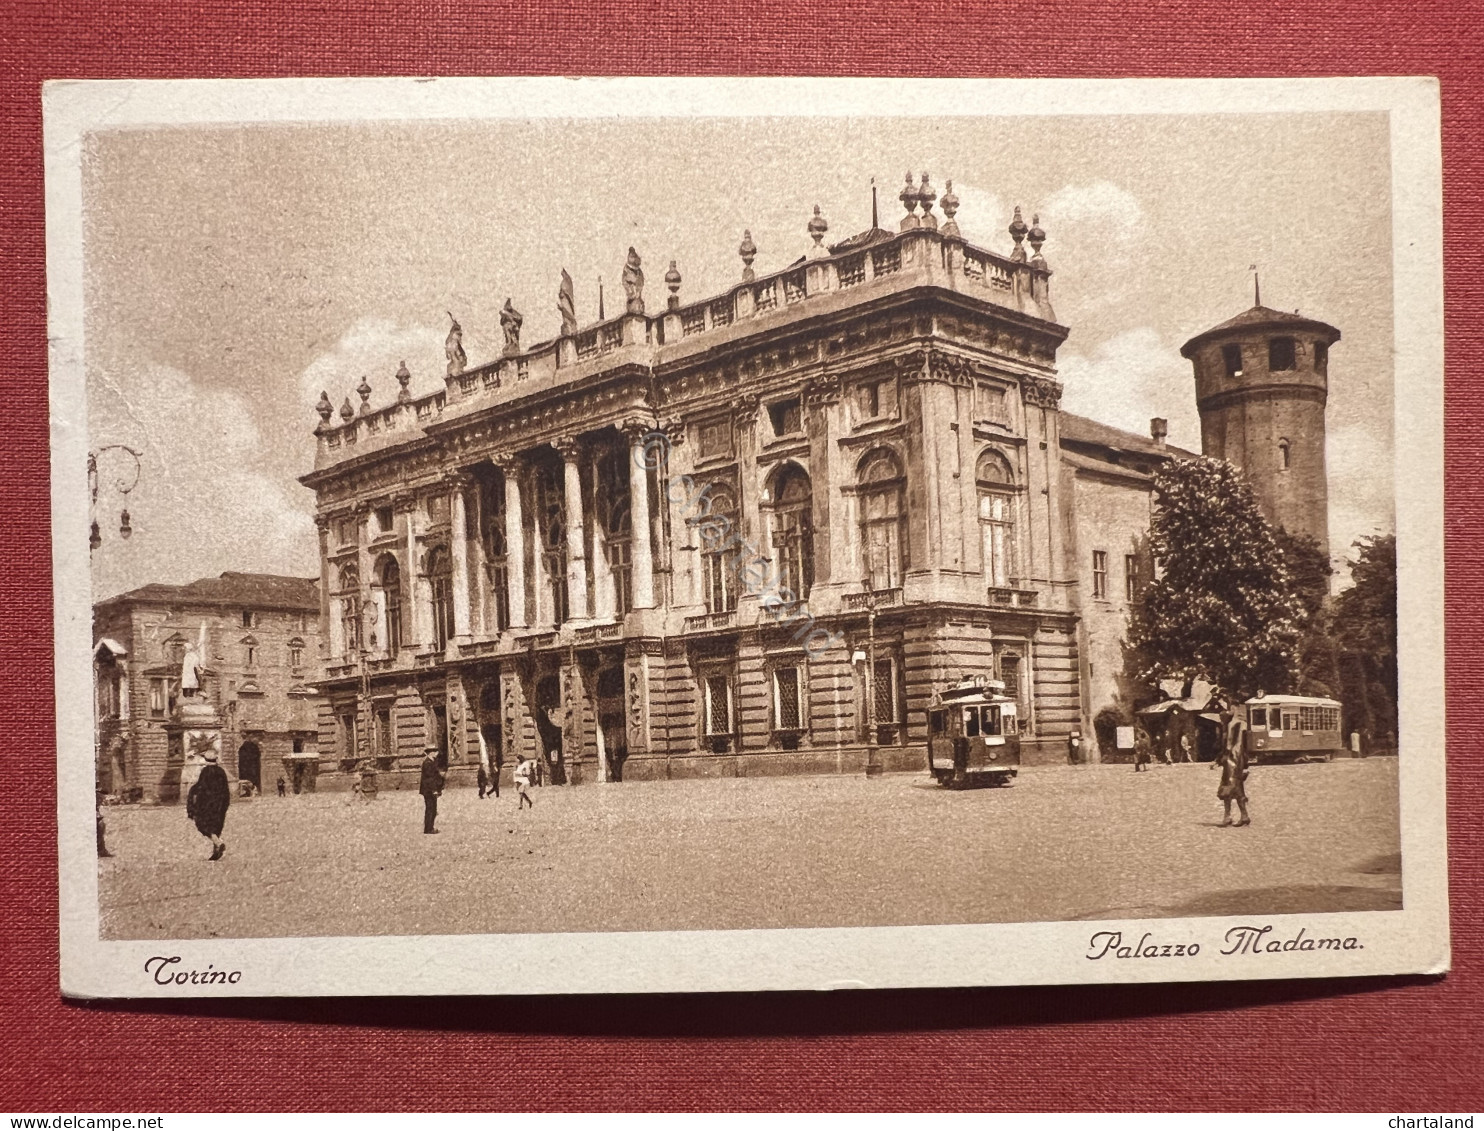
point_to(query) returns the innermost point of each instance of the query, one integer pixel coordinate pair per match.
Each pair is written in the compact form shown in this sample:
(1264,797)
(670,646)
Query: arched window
(1284,454)
(793,530)
(350,609)
(883,519)
(617,519)
(391,602)
(440,578)
(716,530)
(997,493)
(492,516)
(551,530)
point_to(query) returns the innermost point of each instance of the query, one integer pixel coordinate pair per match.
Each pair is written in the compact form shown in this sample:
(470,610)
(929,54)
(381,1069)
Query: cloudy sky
(233,274)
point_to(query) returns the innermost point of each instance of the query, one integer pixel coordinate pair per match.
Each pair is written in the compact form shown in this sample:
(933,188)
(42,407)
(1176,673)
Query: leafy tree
(1318,656)
(1365,633)
(1225,608)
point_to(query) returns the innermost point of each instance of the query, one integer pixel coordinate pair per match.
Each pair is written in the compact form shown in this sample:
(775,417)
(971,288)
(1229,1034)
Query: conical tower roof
(1261,318)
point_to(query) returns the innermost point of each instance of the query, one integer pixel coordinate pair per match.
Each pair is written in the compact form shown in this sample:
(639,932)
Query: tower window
(1283,454)
(1321,357)
(1280,354)
(1232,356)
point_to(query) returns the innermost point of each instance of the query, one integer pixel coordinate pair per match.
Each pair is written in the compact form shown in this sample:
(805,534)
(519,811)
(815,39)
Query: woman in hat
(1233,763)
(207,802)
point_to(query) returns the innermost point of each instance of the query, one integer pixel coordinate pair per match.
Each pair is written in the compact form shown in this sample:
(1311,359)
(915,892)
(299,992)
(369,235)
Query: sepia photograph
(700,536)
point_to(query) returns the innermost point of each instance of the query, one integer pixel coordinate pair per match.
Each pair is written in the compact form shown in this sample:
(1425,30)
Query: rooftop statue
(453,346)
(567,304)
(510,321)
(633,283)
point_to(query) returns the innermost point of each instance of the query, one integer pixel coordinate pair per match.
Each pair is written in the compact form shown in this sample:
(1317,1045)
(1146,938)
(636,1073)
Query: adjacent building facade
(751,534)
(262,653)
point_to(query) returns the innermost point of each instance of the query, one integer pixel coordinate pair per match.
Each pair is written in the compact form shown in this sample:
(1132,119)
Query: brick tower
(1261,382)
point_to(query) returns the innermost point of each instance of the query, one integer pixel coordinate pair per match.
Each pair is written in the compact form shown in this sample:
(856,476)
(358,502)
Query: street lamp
(125,483)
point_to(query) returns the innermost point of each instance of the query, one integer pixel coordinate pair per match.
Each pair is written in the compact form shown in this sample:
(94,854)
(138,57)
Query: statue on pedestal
(453,347)
(633,283)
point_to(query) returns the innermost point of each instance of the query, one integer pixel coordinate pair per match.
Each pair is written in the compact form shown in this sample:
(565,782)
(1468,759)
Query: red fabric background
(1389,1045)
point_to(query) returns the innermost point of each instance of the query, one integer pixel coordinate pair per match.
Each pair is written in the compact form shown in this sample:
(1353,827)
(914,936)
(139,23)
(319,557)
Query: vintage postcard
(579,535)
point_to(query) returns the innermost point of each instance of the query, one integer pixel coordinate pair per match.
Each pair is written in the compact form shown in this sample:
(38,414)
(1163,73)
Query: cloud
(1129,378)
(983,217)
(373,348)
(202,504)
(1100,211)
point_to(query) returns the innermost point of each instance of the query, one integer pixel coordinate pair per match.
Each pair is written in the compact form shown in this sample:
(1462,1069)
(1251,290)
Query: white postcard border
(1413,940)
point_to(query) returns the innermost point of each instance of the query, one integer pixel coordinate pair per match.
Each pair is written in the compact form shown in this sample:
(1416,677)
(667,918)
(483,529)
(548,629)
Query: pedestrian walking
(484,781)
(207,801)
(1142,757)
(282,787)
(1233,763)
(1186,755)
(431,787)
(522,778)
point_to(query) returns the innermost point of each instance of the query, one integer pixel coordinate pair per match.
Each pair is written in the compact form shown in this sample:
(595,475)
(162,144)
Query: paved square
(1063,842)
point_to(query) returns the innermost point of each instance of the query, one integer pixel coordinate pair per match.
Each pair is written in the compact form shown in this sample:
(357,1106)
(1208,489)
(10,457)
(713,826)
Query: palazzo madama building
(516,564)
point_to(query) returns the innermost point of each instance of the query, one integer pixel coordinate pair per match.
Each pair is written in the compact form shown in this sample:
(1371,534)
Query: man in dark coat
(206,803)
(430,787)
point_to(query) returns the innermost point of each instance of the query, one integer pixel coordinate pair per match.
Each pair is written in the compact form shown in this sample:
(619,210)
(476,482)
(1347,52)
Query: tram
(973,735)
(1292,727)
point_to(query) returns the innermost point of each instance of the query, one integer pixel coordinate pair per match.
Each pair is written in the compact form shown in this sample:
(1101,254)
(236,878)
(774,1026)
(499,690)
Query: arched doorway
(548,715)
(250,765)
(611,721)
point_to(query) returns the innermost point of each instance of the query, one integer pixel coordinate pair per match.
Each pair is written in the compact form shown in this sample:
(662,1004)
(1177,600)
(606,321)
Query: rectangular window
(348,735)
(718,705)
(1280,354)
(1260,717)
(1100,573)
(251,656)
(157,698)
(788,711)
(1321,357)
(249,618)
(1290,718)
(298,746)
(385,521)
(1131,577)
(884,693)
(787,417)
(870,401)
(385,745)
(1232,357)
(296,656)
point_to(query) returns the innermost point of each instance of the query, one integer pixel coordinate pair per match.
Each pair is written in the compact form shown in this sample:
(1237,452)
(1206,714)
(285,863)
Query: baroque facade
(527,562)
(261,656)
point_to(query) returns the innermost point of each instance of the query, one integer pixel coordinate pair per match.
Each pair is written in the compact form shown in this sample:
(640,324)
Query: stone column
(642,542)
(515,543)
(407,506)
(577,607)
(458,539)
(327,630)
(479,589)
